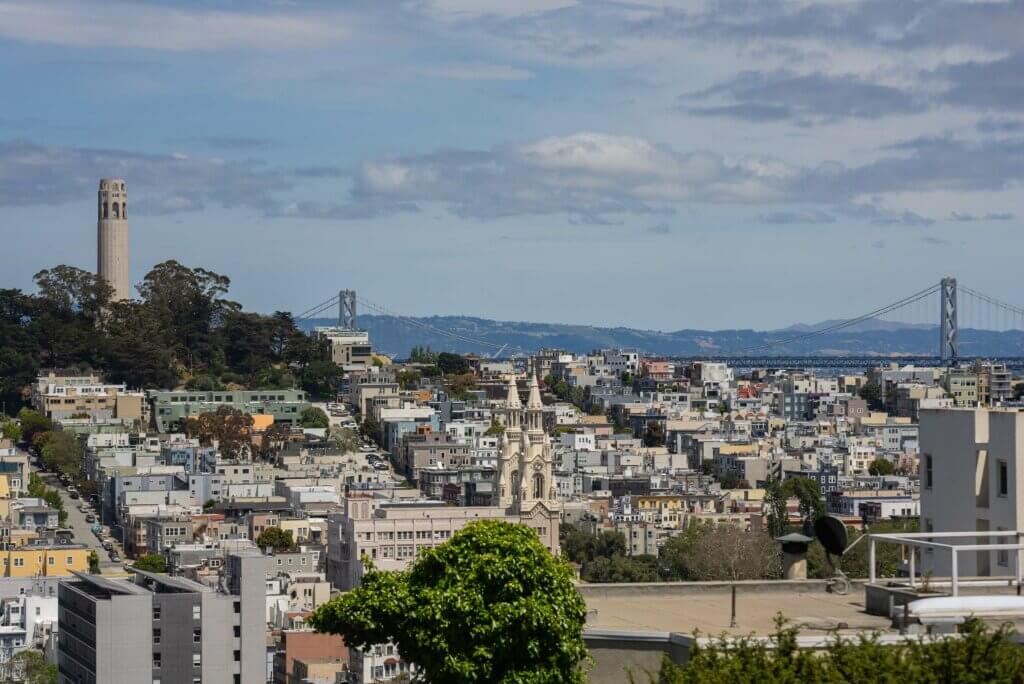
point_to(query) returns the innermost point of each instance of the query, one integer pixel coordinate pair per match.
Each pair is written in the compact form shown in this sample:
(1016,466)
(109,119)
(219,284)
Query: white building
(972,480)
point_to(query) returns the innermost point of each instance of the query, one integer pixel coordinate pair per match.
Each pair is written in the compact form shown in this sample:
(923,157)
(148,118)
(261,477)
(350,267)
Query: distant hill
(397,336)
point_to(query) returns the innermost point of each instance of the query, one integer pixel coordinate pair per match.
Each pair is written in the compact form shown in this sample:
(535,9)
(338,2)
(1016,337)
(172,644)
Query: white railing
(925,540)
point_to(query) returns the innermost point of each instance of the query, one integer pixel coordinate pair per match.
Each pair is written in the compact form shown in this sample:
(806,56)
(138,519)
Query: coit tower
(112,237)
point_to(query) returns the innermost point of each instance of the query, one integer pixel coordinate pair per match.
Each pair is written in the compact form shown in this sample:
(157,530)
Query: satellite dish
(831,532)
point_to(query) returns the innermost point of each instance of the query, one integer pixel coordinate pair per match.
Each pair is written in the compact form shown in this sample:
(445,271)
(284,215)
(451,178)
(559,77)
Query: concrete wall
(617,655)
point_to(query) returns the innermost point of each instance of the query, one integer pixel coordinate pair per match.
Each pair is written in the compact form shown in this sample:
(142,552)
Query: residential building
(170,407)
(158,628)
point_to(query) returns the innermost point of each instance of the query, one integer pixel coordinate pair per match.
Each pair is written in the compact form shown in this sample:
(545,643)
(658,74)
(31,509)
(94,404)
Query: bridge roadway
(812,362)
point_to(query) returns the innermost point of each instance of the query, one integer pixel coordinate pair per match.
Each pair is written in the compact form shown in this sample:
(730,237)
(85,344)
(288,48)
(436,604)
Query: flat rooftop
(705,607)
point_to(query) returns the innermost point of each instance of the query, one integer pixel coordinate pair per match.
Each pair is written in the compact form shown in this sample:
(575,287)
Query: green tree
(370,428)
(276,539)
(52,498)
(491,605)
(229,427)
(314,417)
(151,562)
(94,563)
(654,434)
(776,508)
(459,385)
(452,364)
(880,466)
(29,667)
(11,431)
(871,392)
(32,424)
(496,428)
(63,452)
(345,439)
(807,492)
(407,377)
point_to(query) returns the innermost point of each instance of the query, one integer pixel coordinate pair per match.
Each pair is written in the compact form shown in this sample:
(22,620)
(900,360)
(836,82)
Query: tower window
(124,210)
(106,210)
(117,210)
(538,486)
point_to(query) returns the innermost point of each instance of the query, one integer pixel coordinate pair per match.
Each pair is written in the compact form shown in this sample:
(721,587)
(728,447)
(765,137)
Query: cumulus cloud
(94,24)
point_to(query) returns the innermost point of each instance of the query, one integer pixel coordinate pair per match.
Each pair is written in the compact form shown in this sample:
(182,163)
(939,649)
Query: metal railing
(925,540)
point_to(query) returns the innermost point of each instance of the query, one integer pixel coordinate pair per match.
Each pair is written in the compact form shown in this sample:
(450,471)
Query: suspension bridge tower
(347,309)
(948,332)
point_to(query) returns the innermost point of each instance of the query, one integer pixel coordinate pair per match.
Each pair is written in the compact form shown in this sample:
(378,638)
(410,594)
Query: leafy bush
(979,656)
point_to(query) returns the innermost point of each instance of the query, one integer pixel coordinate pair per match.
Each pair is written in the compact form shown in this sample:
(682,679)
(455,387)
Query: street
(82,529)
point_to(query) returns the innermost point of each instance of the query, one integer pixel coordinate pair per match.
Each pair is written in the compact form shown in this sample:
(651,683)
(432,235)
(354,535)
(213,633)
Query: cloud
(878,244)
(989,125)
(961,217)
(320,172)
(226,142)
(168,204)
(157,183)
(477,71)
(929,240)
(660,229)
(598,175)
(800,216)
(993,85)
(771,96)
(164,27)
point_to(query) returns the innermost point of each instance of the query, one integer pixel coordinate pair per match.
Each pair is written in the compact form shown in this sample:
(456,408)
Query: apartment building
(59,395)
(170,407)
(972,478)
(157,628)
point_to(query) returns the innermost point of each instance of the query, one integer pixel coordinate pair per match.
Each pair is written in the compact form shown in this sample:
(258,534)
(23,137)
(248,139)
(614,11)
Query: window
(156,611)
(197,660)
(51,560)
(196,612)
(1004,478)
(928,472)
(156,660)
(197,636)
(156,636)
(238,631)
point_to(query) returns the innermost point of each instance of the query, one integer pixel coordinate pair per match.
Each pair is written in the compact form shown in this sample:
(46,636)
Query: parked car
(74,495)
(114,556)
(90,518)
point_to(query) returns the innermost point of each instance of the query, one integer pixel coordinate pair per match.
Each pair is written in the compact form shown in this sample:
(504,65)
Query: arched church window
(538,486)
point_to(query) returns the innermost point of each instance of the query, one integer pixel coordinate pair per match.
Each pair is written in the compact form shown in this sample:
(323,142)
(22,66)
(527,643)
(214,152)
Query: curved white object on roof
(967,605)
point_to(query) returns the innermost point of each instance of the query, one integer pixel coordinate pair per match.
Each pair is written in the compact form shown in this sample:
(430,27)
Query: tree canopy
(881,466)
(491,605)
(276,539)
(151,562)
(181,326)
(314,417)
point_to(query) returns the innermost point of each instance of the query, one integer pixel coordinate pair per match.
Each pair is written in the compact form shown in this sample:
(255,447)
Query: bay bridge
(945,307)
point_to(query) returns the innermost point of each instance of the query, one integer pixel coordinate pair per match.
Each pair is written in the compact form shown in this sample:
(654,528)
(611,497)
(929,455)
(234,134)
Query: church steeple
(534,407)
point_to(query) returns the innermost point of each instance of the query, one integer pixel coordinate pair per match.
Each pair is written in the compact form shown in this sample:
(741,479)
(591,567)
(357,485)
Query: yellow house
(666,510)
(45,561)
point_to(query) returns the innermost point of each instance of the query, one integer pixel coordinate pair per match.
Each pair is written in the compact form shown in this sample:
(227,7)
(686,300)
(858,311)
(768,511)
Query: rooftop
(683,607)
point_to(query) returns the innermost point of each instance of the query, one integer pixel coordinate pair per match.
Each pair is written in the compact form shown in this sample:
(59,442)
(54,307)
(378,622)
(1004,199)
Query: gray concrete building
(158,628)
(169,407)
(112,237)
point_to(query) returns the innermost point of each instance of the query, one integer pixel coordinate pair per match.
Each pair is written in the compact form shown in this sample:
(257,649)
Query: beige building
(59,395)
(972,479)
(349,348)
(391,533)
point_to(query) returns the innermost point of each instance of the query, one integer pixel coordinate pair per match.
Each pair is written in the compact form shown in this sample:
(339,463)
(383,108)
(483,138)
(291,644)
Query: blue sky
(736,163)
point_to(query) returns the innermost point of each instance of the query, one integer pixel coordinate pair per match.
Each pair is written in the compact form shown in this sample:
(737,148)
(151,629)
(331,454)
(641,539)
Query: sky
(665,165)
